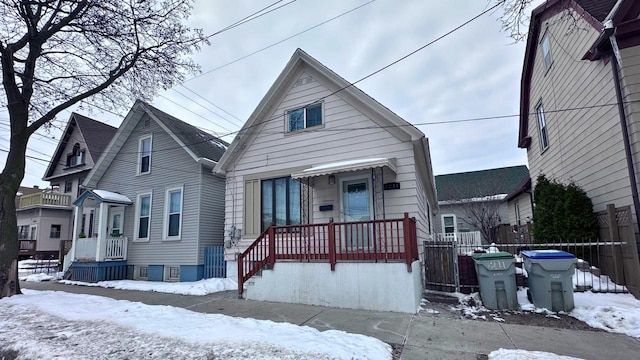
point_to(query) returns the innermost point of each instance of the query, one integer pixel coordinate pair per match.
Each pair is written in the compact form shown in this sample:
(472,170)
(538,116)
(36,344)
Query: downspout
(615,62)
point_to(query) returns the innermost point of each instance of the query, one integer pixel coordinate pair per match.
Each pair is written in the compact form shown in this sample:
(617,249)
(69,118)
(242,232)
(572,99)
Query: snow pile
(617,313)
(41,277)
(109,323)
(200,287)
(508,354)
(588,280)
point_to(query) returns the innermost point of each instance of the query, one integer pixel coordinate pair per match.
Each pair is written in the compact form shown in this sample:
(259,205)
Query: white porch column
(103,220)
(77,217)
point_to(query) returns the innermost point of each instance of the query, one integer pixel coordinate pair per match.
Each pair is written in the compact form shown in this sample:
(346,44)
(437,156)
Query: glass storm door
(116,219)
(356,206)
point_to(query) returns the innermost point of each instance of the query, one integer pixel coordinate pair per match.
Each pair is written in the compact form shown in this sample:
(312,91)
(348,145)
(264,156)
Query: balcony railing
(45,199)
(376,241)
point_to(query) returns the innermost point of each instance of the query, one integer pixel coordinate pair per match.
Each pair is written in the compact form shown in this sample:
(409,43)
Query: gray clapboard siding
(76,137)
(579,140)
(347,133)
(170,166)
(211,211)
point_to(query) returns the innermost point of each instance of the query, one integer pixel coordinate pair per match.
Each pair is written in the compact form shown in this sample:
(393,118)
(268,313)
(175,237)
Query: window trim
(516,207)
(305,128)
(140,154)
(136,225)
(167,205)
(543,131)
(455,223)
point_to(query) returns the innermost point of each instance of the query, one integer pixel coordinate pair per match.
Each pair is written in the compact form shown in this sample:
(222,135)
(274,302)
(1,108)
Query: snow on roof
(498,197)
(109,196)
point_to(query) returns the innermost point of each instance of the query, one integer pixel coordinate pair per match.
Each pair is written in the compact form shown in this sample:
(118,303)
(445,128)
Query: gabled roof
(203,147)
(480,184)
(350,93)
(96,136)
(592,11)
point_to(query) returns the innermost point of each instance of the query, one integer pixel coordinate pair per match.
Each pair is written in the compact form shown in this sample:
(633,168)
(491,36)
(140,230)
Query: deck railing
(43,198)
(465,240)
(116,248)
(27,247)
(374,240)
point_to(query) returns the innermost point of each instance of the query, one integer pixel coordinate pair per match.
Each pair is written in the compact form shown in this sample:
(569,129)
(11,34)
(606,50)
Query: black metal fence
(449,265)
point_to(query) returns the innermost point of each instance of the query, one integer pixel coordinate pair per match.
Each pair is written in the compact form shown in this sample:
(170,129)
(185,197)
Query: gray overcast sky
(473,73)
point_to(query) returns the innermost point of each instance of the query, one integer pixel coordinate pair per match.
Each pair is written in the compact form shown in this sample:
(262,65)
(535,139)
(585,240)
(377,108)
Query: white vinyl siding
(587,142)
(144,154)
(144,204)
(173,214)
(273,153)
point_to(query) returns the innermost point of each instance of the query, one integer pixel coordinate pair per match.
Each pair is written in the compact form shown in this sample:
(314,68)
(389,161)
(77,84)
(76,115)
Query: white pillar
(77,217)
(103,220)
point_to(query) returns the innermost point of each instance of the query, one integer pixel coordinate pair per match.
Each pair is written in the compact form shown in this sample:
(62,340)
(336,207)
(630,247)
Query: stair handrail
(267,257)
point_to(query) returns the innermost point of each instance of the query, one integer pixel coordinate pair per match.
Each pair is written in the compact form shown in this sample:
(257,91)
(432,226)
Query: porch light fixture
(332,179)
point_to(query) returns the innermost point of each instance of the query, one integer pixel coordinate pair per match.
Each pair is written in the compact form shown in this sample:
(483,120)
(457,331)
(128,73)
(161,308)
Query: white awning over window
(344,166)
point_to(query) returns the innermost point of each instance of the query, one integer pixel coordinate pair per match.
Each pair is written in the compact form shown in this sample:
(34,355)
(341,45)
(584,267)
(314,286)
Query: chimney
(36,187)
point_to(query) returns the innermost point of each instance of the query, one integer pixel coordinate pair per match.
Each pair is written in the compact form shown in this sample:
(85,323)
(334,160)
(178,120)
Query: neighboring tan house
(157,203)
(45,218)
(472,203)
(577,121)
(347,185)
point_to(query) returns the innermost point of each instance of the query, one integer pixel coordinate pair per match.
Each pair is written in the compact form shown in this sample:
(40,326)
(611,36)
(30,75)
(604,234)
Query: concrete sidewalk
(422,336)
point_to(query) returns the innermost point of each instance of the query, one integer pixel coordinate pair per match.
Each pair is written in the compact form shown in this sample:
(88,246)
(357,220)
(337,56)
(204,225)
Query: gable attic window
(546,52)
(542,128)
(144,155)
(76,157)
(304,118)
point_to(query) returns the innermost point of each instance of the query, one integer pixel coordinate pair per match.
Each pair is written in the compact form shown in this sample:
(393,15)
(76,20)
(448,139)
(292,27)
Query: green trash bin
(497,280)
(550,275)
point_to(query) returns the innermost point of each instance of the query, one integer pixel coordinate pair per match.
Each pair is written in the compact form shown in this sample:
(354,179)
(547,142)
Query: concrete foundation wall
(368,286)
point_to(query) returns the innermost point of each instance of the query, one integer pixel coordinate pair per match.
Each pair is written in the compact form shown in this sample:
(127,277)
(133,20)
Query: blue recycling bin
(550,278)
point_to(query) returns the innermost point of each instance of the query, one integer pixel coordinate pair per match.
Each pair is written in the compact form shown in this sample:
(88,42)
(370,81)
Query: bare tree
(515,18)
(483,214)
(58,53)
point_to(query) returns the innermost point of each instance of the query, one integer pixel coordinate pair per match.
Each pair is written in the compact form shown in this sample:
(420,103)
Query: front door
(116,220)
(356,206)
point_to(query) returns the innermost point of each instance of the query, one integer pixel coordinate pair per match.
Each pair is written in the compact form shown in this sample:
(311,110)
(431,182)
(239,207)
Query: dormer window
(144,155)
(76,157)
(305,117)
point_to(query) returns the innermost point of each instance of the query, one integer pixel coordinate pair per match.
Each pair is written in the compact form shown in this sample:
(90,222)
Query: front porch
(343,256)
(102,256)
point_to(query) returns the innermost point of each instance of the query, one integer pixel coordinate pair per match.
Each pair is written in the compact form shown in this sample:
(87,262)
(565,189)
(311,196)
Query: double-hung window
(305,117)
(144,155)
(542,128)
(449,223)
(55,231)
(173,213)
(143,216)
(280,202)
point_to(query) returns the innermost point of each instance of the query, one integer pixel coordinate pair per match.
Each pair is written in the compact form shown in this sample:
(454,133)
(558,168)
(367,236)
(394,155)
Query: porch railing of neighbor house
(375,240)
(115,248)
(464,239)
(45,199)
(27,247)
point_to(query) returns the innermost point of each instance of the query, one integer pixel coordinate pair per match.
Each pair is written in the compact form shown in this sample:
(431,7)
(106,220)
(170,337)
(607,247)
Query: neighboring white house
(348,185)
(157,203)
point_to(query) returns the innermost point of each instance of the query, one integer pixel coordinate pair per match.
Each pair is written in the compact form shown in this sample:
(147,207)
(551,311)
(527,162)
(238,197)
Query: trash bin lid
(492,256)
(547,254)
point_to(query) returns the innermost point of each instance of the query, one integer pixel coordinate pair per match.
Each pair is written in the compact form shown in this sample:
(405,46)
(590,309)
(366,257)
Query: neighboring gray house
(46,217)
(157,203)
(469,199)
(341,177)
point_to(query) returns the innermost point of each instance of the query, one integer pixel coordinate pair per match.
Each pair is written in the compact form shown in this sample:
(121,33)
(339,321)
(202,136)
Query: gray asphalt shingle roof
(201,143)
(475,184)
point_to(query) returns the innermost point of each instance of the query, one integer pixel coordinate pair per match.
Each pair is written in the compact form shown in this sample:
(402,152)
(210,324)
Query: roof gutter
(207,162)
(615,69)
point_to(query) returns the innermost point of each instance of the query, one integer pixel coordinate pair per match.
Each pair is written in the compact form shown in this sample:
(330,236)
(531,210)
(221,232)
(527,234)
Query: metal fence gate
(214,264)
(446,269)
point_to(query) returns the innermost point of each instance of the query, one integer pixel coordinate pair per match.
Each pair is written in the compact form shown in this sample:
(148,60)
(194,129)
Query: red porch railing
(375,240)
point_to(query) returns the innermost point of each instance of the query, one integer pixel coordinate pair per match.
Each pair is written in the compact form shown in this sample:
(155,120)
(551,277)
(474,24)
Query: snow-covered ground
(200,287)
(39,324)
